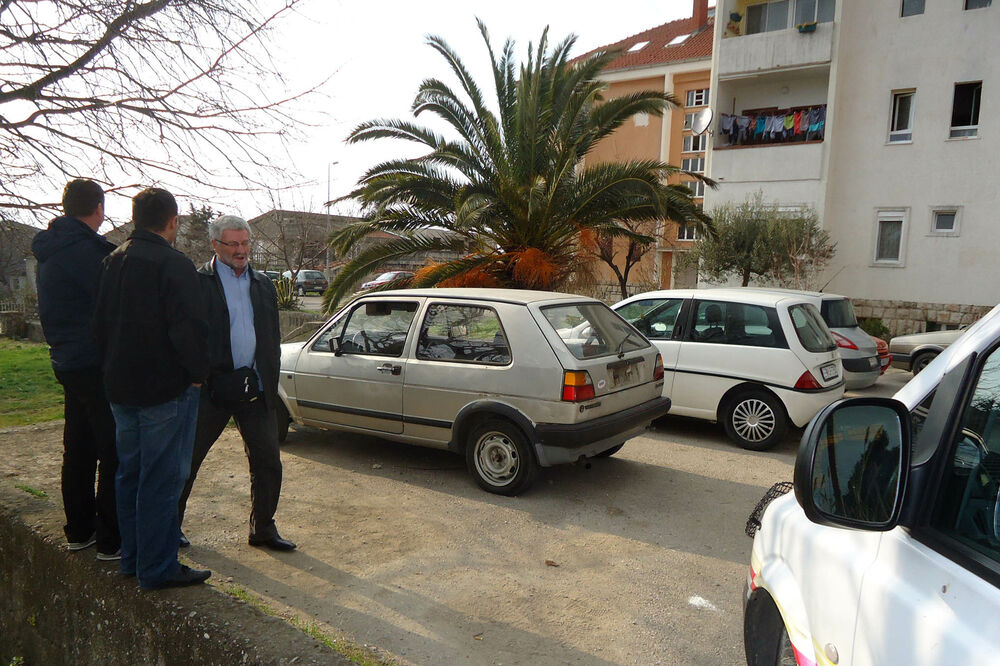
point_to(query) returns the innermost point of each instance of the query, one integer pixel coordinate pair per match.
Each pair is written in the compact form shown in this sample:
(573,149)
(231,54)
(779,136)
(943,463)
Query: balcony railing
(772,127)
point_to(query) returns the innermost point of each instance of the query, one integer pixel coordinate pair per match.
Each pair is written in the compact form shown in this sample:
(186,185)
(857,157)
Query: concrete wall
(60,609)
(881,52)
(780,49)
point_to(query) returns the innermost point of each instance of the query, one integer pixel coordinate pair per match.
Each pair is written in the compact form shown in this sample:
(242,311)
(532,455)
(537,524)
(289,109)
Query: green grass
(353,653)
(40,494)
(29,392)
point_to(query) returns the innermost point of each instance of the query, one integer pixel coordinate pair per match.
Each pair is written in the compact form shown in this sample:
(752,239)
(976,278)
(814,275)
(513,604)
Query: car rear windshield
(810,329)
(592,329)
(839,313)
(314,275)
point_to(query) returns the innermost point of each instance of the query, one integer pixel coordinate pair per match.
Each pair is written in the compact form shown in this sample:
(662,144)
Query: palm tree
(511,184)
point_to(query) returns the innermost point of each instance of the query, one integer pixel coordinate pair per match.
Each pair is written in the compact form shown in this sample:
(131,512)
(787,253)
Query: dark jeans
(154,455)
(88,450)
(258,427)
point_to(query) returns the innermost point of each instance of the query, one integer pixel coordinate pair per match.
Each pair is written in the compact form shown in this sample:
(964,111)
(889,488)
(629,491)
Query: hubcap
(496,458)
(753,420)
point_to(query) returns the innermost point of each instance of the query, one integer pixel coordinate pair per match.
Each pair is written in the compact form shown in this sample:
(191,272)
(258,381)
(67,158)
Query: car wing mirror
(853,464)
(335,346)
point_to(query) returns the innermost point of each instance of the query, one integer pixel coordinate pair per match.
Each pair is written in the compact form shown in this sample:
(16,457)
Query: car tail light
(577,386)
(658,368)
(843,342)
(807,381)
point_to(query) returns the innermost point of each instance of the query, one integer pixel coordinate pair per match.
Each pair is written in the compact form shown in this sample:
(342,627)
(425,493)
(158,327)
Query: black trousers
(89,450)
(258,427)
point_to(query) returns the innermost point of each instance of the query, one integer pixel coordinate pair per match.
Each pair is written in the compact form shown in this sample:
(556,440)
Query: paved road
(636,559)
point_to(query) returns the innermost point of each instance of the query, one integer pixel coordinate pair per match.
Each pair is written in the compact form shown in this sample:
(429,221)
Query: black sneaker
(110,557)
(81,545)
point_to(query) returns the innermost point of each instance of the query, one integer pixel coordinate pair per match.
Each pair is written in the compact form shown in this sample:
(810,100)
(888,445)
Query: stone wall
(58,608)
(904,317)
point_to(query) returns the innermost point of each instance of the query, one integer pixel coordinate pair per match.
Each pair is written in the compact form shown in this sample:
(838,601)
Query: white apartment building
(885,128)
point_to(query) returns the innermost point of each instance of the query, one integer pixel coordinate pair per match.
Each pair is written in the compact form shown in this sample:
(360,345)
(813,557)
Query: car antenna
(827,283)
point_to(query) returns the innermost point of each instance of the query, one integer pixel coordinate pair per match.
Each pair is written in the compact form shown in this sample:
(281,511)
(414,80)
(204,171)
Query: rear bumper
(901,361)
(566,442)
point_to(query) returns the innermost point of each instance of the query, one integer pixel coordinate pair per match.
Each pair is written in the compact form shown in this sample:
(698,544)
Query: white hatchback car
(858,350)
(889,550)
(752,360)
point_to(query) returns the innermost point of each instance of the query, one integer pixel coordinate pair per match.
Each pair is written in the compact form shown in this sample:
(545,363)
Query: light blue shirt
(242,337)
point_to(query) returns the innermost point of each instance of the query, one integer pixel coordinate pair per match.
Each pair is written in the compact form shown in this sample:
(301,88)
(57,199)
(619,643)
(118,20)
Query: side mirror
(335,345)
(853,464)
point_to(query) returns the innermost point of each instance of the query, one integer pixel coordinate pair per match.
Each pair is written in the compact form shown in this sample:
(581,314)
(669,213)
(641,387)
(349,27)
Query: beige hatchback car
(499,376)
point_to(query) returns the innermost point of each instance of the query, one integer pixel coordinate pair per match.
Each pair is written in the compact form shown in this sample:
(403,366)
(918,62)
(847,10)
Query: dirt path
(638,559)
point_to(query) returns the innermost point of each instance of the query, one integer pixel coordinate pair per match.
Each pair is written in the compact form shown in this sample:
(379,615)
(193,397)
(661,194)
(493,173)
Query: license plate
(623,373)
(829,371)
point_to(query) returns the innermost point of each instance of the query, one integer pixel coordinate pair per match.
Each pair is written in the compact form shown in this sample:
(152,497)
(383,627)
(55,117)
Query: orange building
(675,57)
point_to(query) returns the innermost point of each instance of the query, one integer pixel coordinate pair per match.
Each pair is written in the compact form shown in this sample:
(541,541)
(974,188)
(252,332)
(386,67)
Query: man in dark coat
(150,327)
(69,256)
(244,340)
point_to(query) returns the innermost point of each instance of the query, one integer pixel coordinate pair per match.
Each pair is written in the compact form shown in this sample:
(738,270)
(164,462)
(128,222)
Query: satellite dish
(701,121)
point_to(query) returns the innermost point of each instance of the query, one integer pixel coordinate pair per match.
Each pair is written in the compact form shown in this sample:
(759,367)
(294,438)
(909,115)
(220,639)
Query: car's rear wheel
(755,420)
(499,457)
(922,360)
(607,453)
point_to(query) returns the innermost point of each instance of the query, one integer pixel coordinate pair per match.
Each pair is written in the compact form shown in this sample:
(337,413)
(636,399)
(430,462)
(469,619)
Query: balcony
(769,163)
(773,47)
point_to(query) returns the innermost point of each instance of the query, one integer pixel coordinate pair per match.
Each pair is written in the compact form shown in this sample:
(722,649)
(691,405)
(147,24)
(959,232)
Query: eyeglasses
(234,244)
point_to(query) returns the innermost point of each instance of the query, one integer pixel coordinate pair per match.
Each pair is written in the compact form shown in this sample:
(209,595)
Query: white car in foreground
(889,550)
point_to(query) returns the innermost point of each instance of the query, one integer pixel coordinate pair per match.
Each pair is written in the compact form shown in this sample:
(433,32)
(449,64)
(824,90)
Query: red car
(385,278)
(884,357)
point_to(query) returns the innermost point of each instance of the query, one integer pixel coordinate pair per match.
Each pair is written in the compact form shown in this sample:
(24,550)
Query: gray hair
(226,222)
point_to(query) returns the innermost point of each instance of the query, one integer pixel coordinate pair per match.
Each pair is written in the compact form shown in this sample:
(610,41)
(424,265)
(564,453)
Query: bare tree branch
(138,91)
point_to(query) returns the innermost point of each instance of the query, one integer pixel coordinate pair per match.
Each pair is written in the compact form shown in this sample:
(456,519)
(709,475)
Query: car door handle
(389,367)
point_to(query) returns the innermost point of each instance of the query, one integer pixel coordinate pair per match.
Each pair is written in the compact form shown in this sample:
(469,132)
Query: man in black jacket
(150,327)
(244,341)
(69,256)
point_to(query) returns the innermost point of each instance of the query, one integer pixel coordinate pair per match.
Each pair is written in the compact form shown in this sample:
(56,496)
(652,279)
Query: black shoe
(184,541)
(274,543)
(186,576)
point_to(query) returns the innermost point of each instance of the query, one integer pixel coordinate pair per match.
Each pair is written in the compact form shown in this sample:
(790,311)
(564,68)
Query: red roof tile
(656,52)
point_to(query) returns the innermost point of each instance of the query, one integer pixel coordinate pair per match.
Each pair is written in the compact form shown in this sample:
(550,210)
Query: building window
(889,237)
(695,164)
(808,11)
(912,7)
(687,232)
(694,144)
(767,16)
(697,98)
(689,120)
(965,109)
(641,119)
(697,187)
(944,221)
(901,122)
(976,4)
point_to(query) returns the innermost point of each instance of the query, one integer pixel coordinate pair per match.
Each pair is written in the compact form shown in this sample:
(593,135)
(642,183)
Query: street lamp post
(326,267)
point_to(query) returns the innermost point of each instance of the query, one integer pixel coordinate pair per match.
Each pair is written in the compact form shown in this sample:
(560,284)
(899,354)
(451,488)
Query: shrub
(287,298)
(874,327)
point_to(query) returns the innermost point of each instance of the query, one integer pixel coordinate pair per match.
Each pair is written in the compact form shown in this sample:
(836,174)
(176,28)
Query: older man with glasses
(244,341)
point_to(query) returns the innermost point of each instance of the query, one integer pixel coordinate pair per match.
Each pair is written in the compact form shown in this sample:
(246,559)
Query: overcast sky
(376,55)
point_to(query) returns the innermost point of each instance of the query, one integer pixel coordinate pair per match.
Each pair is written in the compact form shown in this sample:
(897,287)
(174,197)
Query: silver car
(501,377)
(915,351)
(858,350)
